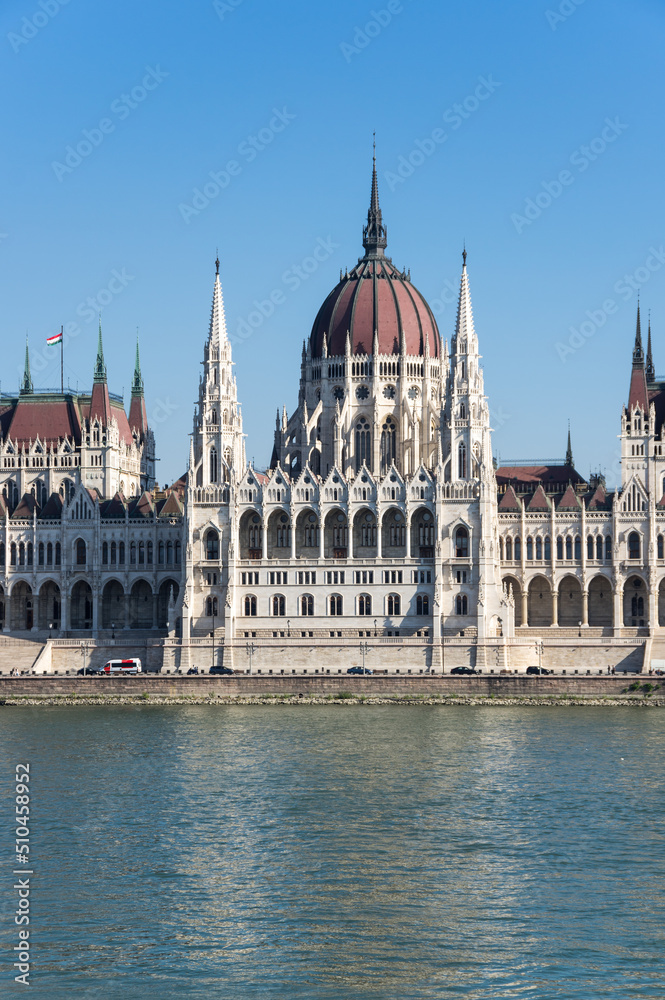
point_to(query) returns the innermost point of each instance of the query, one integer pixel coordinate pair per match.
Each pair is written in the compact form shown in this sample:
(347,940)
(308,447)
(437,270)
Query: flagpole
(62,360)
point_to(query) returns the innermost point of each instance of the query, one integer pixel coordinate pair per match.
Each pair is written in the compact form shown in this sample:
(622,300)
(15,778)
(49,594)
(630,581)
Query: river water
(339,852)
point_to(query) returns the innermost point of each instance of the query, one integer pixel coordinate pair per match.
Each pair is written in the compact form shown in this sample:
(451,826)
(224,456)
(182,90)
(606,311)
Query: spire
(137,383)
(464,327)
(26,384)
(100,367)
(637,395)
(569,450)
(374,233)
(217,334)
(638,353)
(650,372)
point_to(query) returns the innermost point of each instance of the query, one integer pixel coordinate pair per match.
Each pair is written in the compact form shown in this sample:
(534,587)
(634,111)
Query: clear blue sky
(555,74)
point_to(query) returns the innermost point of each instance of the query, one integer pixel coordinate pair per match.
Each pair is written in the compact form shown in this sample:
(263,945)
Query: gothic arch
(570,601)
(539,603)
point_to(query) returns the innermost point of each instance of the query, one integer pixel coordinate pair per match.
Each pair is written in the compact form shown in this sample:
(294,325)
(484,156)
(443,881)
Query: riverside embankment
(242,688)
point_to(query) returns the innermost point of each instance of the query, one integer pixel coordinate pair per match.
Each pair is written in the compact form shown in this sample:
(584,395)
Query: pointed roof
(637,395)
(217,334)
(26,384)
(114,508)
(138,418)
(137,381)
(538,501)
(25,507)
(100,404)
(171,507)
(569,450)
(374,233)
(464,327)
(650,370)
(141,506)
(52,508)
(509,500)
(599,499)
(100,367)
(570,500)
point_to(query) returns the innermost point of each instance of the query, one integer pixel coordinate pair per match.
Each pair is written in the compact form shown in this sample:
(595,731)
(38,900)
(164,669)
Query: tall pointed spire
(26,384)
(651,371)
(137,381)
(637,394)
(638,353)
(374,233)
(100,367)
(464,328)
(217,335)
(569,450)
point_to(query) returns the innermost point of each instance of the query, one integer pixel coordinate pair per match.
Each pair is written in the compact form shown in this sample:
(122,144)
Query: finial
(464,254)
(217,262)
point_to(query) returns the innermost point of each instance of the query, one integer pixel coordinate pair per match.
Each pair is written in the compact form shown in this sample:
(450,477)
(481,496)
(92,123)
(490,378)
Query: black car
(90,671)
(538,670)
(220,670)
(464,670)
(358,670)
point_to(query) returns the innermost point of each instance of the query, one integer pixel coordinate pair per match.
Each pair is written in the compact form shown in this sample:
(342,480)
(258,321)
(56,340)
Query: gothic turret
(26,384)
(138,420)
(100,405)
(375,234)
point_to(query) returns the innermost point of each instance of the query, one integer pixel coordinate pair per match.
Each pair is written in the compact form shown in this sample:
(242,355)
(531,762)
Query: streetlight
(375,626)
(84,650)
(579,630)
(364,648)
(251,649)
(113,631)
(213,630)
(288,627)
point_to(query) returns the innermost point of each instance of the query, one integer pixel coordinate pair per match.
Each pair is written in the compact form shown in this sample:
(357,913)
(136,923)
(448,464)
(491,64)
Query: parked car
(220,670)
(464,670)
(538,670)
(359,670)
(90,671)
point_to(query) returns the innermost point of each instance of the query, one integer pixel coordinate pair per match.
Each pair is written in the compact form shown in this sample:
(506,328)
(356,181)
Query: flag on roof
(55,339)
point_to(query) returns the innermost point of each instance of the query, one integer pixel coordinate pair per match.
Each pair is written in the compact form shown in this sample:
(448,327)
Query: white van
(122,666)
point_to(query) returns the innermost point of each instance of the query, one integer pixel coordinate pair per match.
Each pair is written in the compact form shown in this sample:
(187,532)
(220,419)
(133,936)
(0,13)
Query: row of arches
(362,605)
(25,609)
(568,547)
(540,606)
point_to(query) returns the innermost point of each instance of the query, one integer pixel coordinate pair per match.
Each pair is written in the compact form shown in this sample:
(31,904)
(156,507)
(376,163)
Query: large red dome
(375,296)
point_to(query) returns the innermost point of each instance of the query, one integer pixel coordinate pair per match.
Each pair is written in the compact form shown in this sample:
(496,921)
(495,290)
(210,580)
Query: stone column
(293,539)
(264,539)
(322,550)
(525,605)
(379,546)
(585,607)
(618,606)
(555,605)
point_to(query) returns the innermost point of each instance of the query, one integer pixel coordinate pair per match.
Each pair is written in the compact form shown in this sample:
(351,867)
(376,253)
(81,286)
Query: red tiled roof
(538,501)
(170,506)
(50,420)
(53,507)
(569,501)
(142,506)
(509,500)
(25,507)
(599,499)
(546,474)
(637,394)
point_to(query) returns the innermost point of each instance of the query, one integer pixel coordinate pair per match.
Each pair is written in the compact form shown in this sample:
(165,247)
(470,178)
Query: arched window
(149,554)
(569,548)
(461,461)
(461,604)
(422,604)
(49,553)
(307,605)
(160,552)
(633,545)
(548,549)
(58,554)
(509,549)
(368,531)
(13,554)
(559,547)
(388,444)
(121,553)
(40,554)
(176,549)
(539,548)
(608,549)
(589,547)
(364,604)
(105,553)
(279,605)
(518,549)
(462,543)
(132,553)
(599,548)
(250,606)
(394,605)
(212,544)
(311,532)
(2,553)
(30,554)
(660,546)
(213,465)
(363,444)
(578,547)
(141,553)
(282,533)
(169,553)
(80,552)
(336,605)
(211,607)
(21,554)
(114,553)
(501,549)
(529,548)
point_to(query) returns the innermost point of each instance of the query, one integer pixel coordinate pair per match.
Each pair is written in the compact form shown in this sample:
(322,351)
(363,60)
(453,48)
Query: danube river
(345,853)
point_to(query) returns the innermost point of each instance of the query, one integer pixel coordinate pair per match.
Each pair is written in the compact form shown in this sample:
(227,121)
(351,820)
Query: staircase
(18,653)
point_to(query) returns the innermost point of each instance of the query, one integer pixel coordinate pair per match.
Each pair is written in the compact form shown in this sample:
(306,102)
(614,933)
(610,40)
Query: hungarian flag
(55,339)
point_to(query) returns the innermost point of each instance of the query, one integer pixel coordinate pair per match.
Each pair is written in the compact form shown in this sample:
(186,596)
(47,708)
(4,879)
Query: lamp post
(84,651)
(288,627)
(375,626)
(579,630)
(251,649)
(213,630)
(113,631)
(364,648)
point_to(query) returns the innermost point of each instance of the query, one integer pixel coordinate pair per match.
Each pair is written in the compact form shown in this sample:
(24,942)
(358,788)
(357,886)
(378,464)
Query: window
(213,465)
(392,576)
(501,549)
(49,553)
(2,554)
(461,461)
(307,605)
(105,553)
(529,548)
(368,531)
(141,553)
(518,549)
(311,533)
(149,554)
(394,605)
(211,544)
(21,554)
(539,548)
(279,577)
(363,444)
(569,548)
(422,604)
(160,551)
(279,605)
(336,604)
(30,554)
(13,554)
(462,544)
(250,578)
(364,576)
(548,549)
(559,548)
(660,546)
(388,444)
(80,552)
(461,576)
(132,553)
(578,548)
(599,548)
(58,554)
(176,552)
(608,549)
(305,578)
(335,576)
(589,547)
(169,553)
(40,554)
(509,549)
(250,606)
(364,604)
(461,604)
(633,545)
(211,607)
